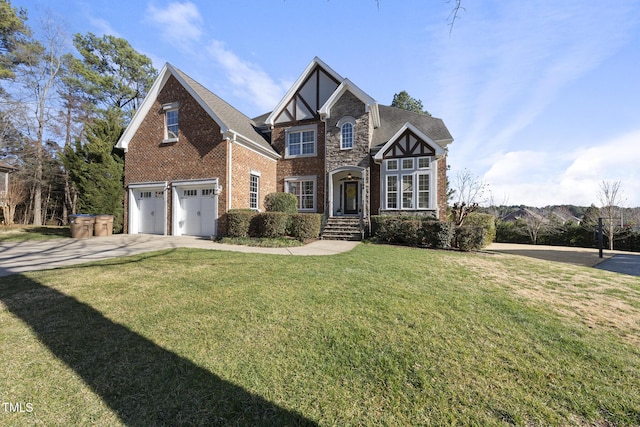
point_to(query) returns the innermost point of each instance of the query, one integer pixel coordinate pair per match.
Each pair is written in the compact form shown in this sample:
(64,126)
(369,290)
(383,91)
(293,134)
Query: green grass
(19,233)
(376,336)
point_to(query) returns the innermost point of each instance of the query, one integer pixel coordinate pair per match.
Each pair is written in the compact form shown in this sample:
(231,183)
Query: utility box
(81,225)
(103,226)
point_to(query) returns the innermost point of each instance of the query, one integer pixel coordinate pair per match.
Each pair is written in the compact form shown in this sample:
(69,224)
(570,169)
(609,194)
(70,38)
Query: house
(190,156)
(5,171)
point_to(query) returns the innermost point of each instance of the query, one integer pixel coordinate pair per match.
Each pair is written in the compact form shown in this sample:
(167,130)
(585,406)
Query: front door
(350,197)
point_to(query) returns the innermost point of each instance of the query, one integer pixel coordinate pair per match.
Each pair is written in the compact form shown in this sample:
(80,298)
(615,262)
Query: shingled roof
(392,119)
(232,118)
(232,122)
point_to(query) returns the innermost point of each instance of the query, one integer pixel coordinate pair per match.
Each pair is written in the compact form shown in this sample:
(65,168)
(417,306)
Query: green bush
(305,226)
(437,234)
(239,222)
(486,221)
(409,232)
(469,238)
(270,224)
(281,202)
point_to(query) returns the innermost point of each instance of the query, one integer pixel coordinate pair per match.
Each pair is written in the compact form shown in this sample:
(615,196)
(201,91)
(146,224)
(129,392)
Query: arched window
(347,136)
(346,125)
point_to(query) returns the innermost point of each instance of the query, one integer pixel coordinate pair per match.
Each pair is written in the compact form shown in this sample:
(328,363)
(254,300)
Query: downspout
(229,171)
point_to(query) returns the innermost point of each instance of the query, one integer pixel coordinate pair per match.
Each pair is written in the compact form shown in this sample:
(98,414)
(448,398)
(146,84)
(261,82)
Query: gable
(409,145)
(310,92)
(409,141)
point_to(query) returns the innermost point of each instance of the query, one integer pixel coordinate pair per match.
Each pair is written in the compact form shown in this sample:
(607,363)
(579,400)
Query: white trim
(313,178)
(439,151)
(167,71)
(303,77)
(301,129)
(415,173)
(347,85)
(177,186)
(133,218)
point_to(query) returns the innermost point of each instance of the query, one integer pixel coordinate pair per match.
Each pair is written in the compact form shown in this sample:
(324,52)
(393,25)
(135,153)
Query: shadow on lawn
(143,383)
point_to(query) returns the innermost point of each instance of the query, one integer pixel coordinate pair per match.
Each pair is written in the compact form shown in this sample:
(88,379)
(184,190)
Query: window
(423,191)
(407,191)
(189,193)
(392,192)
(207,191)
(304,188)
(145,194)
(254,185)
(423,163)
(346,140)
(300,142)
(412,188)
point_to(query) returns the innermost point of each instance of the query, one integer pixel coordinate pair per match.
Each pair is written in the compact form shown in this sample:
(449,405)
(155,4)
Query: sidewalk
(19,257)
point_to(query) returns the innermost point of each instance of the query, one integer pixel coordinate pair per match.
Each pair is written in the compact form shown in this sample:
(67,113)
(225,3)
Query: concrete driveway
(19,257)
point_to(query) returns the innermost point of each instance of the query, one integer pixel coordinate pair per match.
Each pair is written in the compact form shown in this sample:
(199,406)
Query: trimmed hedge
(281,202)
(412,231)
(469,238)
(438,234)
(305,226)
(239,222)
(270,224)
(486,221)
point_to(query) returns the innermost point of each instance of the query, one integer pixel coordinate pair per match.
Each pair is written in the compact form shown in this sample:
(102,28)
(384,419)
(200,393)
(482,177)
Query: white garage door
(196,210)
(147,209)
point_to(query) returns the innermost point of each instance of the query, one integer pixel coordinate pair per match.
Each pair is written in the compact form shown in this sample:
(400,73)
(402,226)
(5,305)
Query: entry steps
(343,228)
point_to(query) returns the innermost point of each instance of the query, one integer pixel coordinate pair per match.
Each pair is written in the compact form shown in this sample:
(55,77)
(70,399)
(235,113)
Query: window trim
(347,120)
(428,159)
(388,161)
(300,179)
(415,173)
(387,192)
(301,130)
(253,175)
(169,108)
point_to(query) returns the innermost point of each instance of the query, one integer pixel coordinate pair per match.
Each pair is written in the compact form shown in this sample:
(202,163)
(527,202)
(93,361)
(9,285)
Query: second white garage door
(196,210)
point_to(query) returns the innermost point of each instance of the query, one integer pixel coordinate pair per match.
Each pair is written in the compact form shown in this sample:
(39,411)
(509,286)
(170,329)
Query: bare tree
(37,77)
(611,197)
(467,195)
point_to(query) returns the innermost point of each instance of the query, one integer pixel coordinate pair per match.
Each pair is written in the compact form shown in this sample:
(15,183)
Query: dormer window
(346,125)
(171,122)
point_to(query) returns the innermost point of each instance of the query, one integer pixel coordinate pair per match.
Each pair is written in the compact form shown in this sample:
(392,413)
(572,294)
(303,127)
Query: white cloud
(180,23)
(541,178)
(500,70)
(249,80)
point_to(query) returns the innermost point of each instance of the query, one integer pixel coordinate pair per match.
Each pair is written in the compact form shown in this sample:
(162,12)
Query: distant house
(190,156)
(5,171)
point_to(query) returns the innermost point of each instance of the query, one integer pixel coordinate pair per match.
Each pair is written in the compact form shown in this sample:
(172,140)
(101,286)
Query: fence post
(600,236)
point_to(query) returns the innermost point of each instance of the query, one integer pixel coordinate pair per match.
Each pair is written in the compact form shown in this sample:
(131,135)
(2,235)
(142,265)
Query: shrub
(409,232)
(486,221)
(281,202)
(239,222)
(305,226)
(437,234)
(469,238)
(270,224)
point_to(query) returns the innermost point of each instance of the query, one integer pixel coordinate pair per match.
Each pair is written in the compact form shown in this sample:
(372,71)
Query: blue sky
(542,97)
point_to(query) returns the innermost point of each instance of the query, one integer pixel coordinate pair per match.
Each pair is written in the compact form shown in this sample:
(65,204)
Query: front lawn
(19,233)
(377,336)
